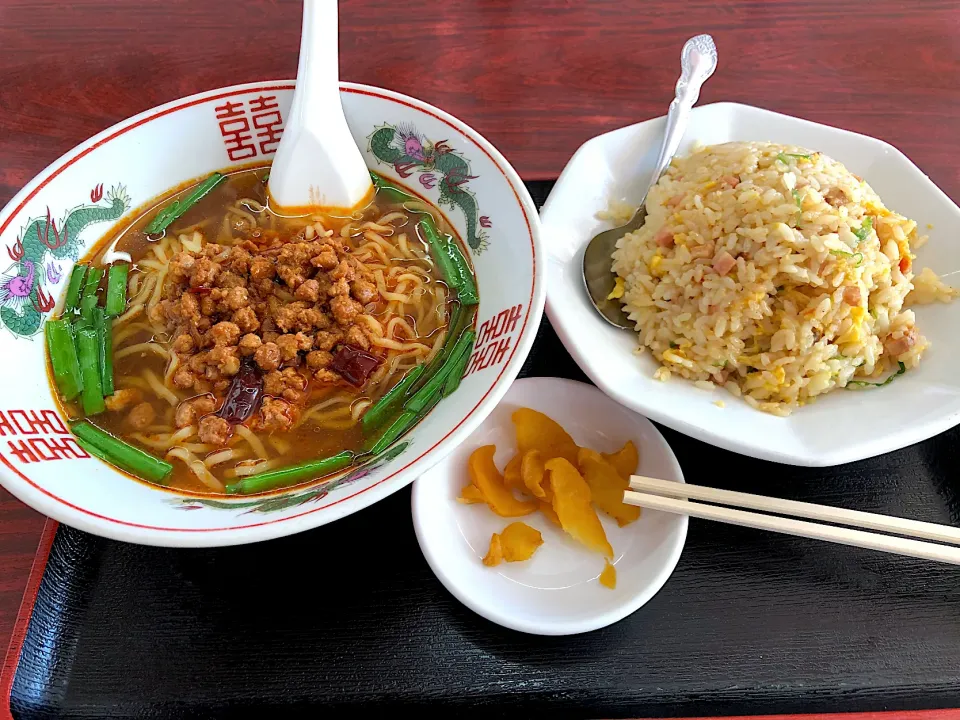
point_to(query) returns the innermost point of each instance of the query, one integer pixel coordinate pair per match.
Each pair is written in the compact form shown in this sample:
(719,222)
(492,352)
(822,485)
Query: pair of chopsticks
(675,497)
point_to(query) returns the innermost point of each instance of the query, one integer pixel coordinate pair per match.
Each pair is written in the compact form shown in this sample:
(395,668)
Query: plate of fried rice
(790,287)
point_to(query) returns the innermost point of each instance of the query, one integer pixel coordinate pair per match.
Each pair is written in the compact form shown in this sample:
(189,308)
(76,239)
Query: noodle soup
(214,346)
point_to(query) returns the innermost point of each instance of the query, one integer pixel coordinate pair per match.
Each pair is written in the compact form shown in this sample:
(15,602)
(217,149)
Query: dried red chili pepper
(354,365)
(244,395)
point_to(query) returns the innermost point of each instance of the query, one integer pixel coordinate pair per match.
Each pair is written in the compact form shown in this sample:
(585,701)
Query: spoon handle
(698,60)
(318,70)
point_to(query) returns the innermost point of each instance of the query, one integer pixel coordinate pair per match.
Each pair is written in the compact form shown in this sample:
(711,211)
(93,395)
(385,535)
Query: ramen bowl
(95,188)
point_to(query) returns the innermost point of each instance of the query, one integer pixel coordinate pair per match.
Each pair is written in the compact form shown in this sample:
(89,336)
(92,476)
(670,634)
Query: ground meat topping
(122,399)
(225,333)
(189,411)
(214,430)
(291,308)
(268,356)
(249,344)
(277,415)
(141,416)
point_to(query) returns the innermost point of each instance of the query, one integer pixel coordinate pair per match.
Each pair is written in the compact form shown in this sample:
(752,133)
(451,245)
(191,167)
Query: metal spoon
(698,60)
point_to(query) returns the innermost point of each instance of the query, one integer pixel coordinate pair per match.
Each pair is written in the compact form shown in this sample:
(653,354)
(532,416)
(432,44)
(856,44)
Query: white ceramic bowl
(94,186)
(839,427)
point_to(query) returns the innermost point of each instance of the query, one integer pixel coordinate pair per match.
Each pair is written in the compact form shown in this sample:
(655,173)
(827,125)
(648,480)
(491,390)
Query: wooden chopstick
(823,513)
(789,526)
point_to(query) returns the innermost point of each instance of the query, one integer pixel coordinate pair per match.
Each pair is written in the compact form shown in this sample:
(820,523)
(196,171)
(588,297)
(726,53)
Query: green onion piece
(177,208)
(390,191)
(865,227)
(456,372)
(73,288)
(799,201)
(857,256)
(63,358)
(433,388)
(785,157)
(105,346)
(88,354)
(120,454)
(865,383)
(385,406)
(117,289)
(292,475)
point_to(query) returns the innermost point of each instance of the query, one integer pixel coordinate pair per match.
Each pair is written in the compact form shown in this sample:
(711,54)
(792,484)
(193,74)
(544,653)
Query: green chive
(105,342)
(438,246)
(120,454)
(385,406)
(433,388)
(88,355)
(404,422)
(467,286)
(283,477)
(177,208)
(88,298)
(116,301)
(390,191)
(63,358)
(73,288)
(459,367)
(88,310)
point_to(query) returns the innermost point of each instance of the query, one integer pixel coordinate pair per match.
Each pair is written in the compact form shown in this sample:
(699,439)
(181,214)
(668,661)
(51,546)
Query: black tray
(348,617)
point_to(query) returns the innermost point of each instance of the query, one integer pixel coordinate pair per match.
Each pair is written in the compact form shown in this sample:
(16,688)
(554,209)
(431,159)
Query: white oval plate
(557,591)
(922,403)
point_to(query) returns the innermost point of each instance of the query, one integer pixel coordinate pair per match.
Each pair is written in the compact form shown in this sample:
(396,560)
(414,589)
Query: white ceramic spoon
(318,163)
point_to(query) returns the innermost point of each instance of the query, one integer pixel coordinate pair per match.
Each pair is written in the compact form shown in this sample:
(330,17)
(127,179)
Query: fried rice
(776,273)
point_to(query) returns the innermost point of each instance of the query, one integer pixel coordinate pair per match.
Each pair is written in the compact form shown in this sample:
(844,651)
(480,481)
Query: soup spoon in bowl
(698,60)
(318,163)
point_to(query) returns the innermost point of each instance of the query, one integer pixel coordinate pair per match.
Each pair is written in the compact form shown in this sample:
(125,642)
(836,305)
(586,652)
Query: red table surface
(536,77)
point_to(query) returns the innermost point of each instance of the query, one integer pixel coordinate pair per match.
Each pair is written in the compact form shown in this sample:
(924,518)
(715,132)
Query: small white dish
(839,427)
(557,591)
